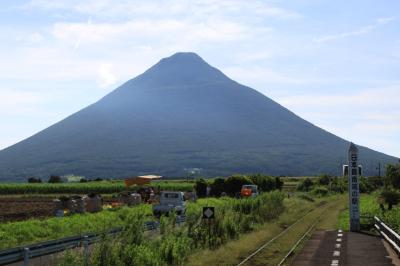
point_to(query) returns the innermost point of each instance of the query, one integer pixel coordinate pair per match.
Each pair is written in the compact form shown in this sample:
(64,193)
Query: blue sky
(334,63)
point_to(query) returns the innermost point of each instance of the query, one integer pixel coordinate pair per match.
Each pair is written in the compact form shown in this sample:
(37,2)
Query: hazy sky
(334,63)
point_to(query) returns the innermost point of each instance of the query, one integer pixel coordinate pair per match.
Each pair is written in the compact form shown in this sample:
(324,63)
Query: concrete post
(86,250)
(26,256)
(354,191)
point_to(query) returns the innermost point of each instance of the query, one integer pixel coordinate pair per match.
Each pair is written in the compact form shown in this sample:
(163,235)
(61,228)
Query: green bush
(390,197)
(320,191)
(324,180)
(201,187)
(337,185)
(305,184)
(393,175)
(234,184)
(218,187)
(55,179)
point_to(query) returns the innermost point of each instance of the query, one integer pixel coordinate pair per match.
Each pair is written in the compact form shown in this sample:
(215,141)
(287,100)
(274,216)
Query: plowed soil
(17,209)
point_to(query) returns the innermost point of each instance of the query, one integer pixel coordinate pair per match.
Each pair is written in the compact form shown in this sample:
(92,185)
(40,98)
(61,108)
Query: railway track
(255,257)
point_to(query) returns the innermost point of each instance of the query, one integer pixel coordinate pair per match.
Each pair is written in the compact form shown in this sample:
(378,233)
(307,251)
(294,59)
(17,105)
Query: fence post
(85,249)
(26,256)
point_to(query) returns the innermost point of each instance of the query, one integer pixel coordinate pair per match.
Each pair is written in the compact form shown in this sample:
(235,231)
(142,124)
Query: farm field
(34,230)
(22,201)
(101,187)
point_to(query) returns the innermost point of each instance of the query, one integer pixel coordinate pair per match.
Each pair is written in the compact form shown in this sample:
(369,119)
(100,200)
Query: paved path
(337,248)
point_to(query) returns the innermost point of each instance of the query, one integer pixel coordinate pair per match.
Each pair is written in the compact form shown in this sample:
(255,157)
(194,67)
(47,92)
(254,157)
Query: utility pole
(379,169)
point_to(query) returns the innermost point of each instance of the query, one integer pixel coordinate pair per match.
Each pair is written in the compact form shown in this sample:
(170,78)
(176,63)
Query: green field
(106,187)
(235,215)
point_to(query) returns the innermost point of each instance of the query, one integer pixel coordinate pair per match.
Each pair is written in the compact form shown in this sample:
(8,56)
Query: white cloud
(196,8)
(361,31)
(369,117)
(106,75)
(33,37)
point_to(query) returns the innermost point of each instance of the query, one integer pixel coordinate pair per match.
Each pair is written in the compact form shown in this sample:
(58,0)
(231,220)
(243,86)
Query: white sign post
(354,191)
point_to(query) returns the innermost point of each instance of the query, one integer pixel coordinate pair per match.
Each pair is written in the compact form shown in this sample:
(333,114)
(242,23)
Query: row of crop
(83,188)
(232,218)
(30,231)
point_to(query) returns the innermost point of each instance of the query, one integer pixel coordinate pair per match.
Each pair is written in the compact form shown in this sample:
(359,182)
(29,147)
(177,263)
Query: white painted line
(340,235)
(339,240)
(338,245)
(340,230)
(336,253)
(335,263)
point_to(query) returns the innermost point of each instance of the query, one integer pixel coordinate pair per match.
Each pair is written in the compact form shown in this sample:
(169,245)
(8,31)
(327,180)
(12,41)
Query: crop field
(170,244)
(235,216)
(21,201)
(101,187)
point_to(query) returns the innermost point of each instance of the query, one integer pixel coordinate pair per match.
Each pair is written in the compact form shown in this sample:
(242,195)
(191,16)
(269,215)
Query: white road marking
(335,263)
(339,240)
(340,235)
(336,253)
(340,230)
(338,245)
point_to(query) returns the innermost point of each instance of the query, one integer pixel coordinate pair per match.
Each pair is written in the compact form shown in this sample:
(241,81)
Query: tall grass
(18,233)
(233,217)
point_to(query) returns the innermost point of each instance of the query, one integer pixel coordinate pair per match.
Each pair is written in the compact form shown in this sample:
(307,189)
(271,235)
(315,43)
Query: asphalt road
(337,248)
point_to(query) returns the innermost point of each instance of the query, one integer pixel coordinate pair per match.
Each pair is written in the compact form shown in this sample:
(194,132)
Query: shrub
(320,191)
(324,180)
(55,179)
(34,180)
(217,187)
(201,187)
(338,185)
(305,185)
(264,183)
(278,183)
(393,175)
(234,184)
(390,197)
(375,182)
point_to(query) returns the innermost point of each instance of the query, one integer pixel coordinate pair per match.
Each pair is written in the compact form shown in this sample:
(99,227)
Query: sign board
(354,191)
(208,213)
(345,170)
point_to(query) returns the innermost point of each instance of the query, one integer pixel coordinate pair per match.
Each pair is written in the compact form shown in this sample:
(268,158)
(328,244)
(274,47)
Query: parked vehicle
(170,201)
(249,191)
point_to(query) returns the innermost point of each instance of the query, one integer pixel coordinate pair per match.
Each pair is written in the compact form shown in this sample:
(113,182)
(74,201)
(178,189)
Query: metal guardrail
(24,253)
(389,234)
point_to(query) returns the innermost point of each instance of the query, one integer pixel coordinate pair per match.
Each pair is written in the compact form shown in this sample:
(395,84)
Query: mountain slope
(181,113)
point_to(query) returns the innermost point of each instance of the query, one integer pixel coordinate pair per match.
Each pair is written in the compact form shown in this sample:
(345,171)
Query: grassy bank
(369,206)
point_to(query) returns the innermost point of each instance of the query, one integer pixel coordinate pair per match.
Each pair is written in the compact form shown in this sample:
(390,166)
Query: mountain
(181,113)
